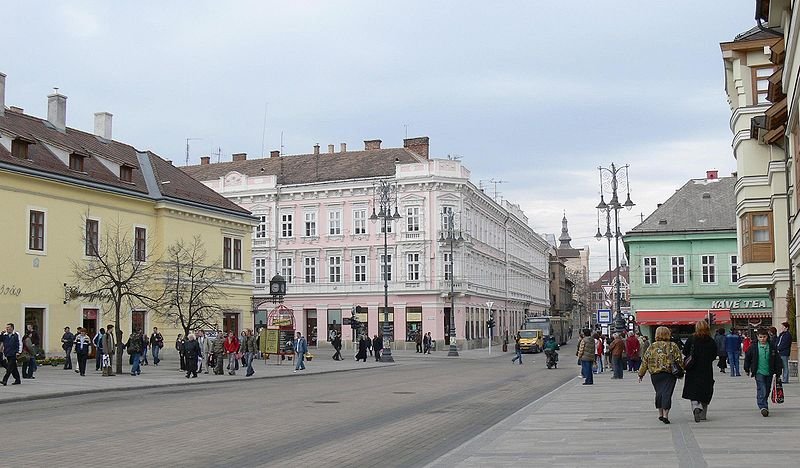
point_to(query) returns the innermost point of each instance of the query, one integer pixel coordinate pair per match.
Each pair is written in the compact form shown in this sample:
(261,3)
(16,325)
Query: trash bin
(433,348)
(792,368)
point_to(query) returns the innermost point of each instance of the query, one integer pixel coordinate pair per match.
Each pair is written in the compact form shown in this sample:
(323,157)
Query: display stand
(277,337)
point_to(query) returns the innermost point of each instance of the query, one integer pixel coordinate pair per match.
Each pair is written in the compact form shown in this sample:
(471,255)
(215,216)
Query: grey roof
(699,205)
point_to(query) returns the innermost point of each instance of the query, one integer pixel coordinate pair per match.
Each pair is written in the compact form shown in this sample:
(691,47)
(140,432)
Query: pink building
(315,230)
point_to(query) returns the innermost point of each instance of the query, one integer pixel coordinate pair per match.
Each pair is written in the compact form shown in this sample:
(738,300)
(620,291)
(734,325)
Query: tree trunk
(118,336)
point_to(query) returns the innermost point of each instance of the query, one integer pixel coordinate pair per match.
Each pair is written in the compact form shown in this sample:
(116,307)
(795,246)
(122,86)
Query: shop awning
(681,317)
(744,314)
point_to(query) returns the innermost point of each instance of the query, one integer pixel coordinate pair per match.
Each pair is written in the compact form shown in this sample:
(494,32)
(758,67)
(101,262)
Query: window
(286,269)
(334,222)
(261,228)
(92,237)
(412,219)
(757,240)
(237,254)
(126,173)
(388,224)
(310,224)
(227,252)
(310,269)
(650,270)
(709,268)
(140,244)
(260,273)
(334,269)
(360,221)
(386,267)
(761,84)
(412,263)
(36,227)
(19,148)
(448,266)
(286,225)
(360,268)
(678,270)
(734,269)
(76,162)
(447,218)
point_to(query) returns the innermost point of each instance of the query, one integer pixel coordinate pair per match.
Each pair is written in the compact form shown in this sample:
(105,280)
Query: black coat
(191,349)
(751,360)
(699,382)
(362,349)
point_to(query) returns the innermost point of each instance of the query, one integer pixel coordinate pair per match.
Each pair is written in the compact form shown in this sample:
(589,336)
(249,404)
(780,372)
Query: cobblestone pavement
(406,414)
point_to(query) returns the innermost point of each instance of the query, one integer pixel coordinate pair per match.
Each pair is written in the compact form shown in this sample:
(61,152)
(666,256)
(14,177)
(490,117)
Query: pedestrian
(249,349)
(772,337)
(632,350)
(698,387)
(644,344)
(156,343)
(33,330)
(617,348)
(747,341)
(722,355)
(784,347)
(362,348)
(134,347)
(108,350)
(179,341)
(98,347)
(761,362)
(369,344)
(145,342)
(659,360)
(232,349)
(586,349)
(218,349)
(82,345)
(242,340)
(517,350)
(192,353)
(337,345)
(377,346)
(205,350)
(300,350)
(418,341)
(733,346)
(505,341)
(599,350)
(67,342)
(426,343)
(28,356)
(12,347)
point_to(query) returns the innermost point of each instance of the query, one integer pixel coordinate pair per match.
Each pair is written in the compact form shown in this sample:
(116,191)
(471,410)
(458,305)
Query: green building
(684,263)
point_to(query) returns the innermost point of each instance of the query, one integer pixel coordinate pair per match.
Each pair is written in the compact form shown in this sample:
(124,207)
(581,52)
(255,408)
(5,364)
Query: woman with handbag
(700,351)
(664,361)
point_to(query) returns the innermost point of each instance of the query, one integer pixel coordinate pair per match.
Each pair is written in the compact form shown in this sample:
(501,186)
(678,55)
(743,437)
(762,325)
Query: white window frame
(678,270)
(360,268)
(261,227)
(287,225)
(287,268)
(334,269)
(389,224)
(309,269)
(447,265)
(335,222)
(446,210)
(413,214)
(734,262)
(650,271)
(360,221)
(260,270)
(309,224)
(413,266)
(28,231)
(708,269)
(381,265)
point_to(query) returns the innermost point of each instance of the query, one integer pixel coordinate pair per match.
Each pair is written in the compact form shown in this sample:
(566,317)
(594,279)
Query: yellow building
(62,188)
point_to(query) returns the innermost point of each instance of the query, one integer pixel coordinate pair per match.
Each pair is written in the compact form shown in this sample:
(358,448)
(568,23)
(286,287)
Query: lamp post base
(386,355)
(453,352)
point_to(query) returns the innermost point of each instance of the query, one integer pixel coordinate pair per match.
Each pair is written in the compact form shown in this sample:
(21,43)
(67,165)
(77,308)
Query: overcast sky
(533,93)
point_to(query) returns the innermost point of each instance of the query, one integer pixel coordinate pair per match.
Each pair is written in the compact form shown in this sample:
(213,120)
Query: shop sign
(11,290)
(739,304)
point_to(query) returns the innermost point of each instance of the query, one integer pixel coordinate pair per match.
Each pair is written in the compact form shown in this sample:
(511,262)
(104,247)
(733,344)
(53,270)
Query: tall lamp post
(451,236)
(611,182)
(386,197)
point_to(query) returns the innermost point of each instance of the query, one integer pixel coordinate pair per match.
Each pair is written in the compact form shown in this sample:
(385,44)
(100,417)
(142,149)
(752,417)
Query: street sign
(607,289)
(604,316)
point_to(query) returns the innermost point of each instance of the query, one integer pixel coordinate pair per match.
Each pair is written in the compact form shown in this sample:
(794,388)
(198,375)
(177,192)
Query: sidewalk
(614,423)
(53,382)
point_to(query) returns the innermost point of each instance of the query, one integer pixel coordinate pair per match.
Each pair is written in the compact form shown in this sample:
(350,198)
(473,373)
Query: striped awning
(744,314)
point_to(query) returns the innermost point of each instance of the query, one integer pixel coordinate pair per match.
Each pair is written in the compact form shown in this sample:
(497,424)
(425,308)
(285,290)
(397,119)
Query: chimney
(102,124)
(274,154)
(330,149)
(205,160)
(2,93)
(16,109)
(57,111)
(712,175)
(240,156)
(316,148)
(419,145)
(343,147)
(372,144)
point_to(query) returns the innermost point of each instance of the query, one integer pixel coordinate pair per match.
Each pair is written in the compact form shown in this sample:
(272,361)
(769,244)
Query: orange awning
(681,317)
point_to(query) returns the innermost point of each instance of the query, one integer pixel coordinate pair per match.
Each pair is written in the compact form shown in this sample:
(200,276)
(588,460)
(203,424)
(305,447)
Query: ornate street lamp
(610,181)
(385,197)
(451,236)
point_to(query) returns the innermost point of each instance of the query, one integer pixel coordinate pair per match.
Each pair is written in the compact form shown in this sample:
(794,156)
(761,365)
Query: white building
(316,232)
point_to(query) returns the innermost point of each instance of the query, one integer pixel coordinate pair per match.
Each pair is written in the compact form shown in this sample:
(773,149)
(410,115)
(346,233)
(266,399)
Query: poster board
(269,341)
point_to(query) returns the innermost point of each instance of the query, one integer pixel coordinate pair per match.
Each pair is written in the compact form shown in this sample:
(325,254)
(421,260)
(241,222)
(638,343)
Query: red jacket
(632,346)
(231,346)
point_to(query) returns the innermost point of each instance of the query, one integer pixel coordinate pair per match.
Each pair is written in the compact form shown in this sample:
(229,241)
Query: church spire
(565,238)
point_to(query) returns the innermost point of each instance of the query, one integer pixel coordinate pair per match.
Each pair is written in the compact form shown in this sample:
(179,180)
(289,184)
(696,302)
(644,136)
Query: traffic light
(711,318)
(354,323)
(490,323)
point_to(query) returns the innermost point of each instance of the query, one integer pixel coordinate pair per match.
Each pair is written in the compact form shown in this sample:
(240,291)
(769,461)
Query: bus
(555,326)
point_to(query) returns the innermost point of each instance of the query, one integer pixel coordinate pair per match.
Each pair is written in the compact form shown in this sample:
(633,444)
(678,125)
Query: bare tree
(115,272)
(192,287)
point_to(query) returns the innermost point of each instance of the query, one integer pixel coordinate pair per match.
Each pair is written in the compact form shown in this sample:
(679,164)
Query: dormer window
(76,162)
(19,148)
(126,173)
(760,80)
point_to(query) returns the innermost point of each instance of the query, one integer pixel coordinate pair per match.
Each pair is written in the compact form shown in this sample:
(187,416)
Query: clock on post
(277,288)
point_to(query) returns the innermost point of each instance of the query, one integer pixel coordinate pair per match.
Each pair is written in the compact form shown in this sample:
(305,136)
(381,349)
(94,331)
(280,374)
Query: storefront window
(413,323)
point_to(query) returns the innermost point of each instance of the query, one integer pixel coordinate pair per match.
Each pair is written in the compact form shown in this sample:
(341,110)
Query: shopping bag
(777,391)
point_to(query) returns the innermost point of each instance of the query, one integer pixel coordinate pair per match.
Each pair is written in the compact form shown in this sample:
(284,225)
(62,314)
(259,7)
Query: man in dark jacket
(337,345)
(12,347)
(218,348)
(784,347)
(762,362)
(156,343)
(134,346)
(67,341)
(719,340)
(191,350)
(377,346)
(82,345)
(733,346)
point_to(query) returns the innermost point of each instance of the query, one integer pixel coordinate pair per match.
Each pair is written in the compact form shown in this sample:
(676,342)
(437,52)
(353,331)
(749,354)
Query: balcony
(414,235)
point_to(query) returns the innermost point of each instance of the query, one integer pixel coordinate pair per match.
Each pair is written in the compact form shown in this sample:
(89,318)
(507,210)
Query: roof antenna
(187,149)
(218,153)
(281,142)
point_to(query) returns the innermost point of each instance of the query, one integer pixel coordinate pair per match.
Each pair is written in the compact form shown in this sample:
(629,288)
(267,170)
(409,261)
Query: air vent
(662,221)
(706,195)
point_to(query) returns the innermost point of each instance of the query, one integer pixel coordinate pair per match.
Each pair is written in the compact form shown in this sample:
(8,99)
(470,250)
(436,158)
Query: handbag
(777,391)
(688,361)
(677,371)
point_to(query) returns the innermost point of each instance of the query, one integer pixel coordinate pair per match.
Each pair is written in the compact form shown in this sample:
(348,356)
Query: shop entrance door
(34,316)
(447,326)
(90,324)
(230,323)
(311,326)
